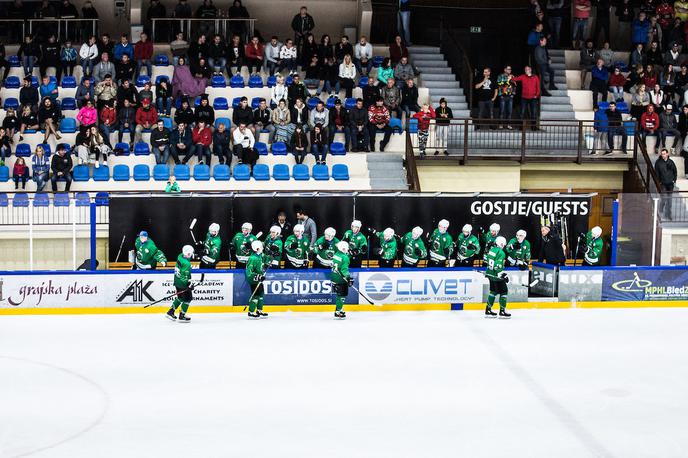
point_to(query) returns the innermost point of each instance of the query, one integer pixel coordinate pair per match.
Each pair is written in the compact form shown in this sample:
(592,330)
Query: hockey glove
(354,252)
(246,246)
(380,251)
(274,250)
(192,286)
(350,281)
(163,263)
(293,246)
(517,245)
(504,276)
(522,265)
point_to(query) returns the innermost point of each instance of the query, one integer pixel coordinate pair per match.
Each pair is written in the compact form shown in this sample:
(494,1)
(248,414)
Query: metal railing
(645,168)
(10,29)
(458,61)
(411,168)
(32,214)
(192,27)
(62,32)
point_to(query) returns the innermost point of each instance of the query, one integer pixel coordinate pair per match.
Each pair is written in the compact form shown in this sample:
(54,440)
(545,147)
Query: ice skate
(504,314)
(170,314)
(183,318)
(253,315)
(339,315)
(489,313)
(261,314)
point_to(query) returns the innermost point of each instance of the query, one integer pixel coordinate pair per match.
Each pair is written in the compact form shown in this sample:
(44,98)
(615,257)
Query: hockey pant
(341,290)
(257,301)
(497,288)
(183,299)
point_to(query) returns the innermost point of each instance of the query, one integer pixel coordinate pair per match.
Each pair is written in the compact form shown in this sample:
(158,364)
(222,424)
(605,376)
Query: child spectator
(20,172)
(68,58)
(40,166)
(172,186)
(443,116)
(617,81)
(424,116)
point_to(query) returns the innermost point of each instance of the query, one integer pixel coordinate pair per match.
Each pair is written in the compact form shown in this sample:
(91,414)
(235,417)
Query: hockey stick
(190,288)
(120,247)
(191,226)
(369,300)
(255,290)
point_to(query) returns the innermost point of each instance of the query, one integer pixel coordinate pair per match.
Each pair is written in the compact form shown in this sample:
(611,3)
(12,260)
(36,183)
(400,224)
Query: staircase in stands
(558,104)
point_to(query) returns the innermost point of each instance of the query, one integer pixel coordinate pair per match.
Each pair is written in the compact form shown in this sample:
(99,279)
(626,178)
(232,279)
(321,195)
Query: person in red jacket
(378,118)
(254,55)
(146,118)
(143,53)
(649,123)
(530,95)
(424,116)
(108,121)
(202,137)
(20,172)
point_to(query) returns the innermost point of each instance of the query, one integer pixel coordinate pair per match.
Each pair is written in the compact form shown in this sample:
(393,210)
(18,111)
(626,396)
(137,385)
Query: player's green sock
(340,303)
(502,302)
(490,300)
(185,307)
(252,305)
(176,303)
(261,301)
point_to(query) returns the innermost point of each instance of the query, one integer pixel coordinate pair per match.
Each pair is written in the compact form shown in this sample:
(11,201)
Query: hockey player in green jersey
(297,247)
(441,245)
(182,283)
(273,246)
(467,247)
(518,251)
(211,248)
(147,254)
(358,244)
(241,245)
(498,278)
(488,239)
(341,279)
(325,248)
(593,247)
(414,248)
(388,247)
(255,274)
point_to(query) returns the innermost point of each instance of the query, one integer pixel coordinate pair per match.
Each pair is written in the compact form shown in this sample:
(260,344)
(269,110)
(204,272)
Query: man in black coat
(551,247)
(61,166)
(667,174)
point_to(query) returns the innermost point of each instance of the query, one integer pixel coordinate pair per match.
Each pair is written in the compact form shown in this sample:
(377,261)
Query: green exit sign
(476,29)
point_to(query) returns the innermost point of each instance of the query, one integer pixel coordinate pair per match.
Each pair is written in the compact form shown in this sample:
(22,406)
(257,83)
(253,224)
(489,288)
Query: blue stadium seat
(237,82)
(312,102)
(102,173)
(81,173)
(160,78)
(224,121)
(288,80)
(68,82)
(4,201)
(201,172)
(261,172)
(82,199)
(630,127)
(272,81)
(23,150)
(218,81)
(242,172)
(280,172)
(413,126)
(20,199)
(279,149)
(340,172)
(255,102)
(161,60)
(350,103)
(52,80)
(300,172)
(197,101)
(34,81)
(602,105)
(337,149)
(363,82)
(262,148)
(141,149)
(41,199)
(47,150)
(330,102)
(14,60)
(181,172)
(11,102)
(120,172)
(167,122)
(102,198)
(321,172)
(235,102)
(124,147)
(161,172)
(395,124)
(61,199)
(141,172)
(12,82)
(68,125)
(377,61)
(622,107)
(621,65)
(220,103)
(221,172)
(69,103)
(255,81)
(142,80)
(4,174)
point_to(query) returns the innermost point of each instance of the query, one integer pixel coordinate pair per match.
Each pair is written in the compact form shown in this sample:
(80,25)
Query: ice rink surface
(548,383)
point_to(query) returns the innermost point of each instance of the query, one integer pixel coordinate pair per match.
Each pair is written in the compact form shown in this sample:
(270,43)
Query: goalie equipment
(443,225)
(275,230)
(247,227)
(355,225)
(596,231)
(467,229)
(257,246)
(521,236)
(500,241)
(330,233)
(343,246)
(214,229)
(494,227)
(187,251)
(298,230)
(416,232)
(388,233)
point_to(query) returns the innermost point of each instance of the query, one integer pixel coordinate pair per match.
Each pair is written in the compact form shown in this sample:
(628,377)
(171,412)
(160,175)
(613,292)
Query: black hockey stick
(369,300)
(120,247)
(190,288)
(255,290)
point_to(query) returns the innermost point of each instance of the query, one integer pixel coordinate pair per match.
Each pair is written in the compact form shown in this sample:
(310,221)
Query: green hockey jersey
(495,263)
(441,246)
(593,249)
(324,250)
(255,267)
(211,249)
(467,247)
(147,254)
(488,243)
(388,248)
(358,244)
(273,249)
(516,251)
(414,250)
(340,268)
(297,250)
(242,246)
(182,272)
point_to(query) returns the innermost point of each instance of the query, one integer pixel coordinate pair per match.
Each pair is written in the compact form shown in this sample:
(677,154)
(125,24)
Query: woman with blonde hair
(347,75)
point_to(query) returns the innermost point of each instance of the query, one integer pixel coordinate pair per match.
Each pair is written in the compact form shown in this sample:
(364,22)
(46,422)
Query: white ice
(548,383)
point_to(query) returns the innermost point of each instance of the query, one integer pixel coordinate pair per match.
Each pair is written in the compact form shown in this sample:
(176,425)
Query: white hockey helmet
(187,251)
(521,236)
(416,232)
(388,233)
(330,233)
(467,229)
(596,231)
(443,225)
(355,225)
(494,228)
(298,230)
(247,227)
(500,242)
(343,246)
(275,231)
(214,229)
(257,246)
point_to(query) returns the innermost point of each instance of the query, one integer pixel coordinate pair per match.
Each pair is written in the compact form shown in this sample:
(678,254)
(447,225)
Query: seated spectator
(409,98)
(5,147)
(61,166)
(639,102)
(384,73)
(48,89)
(617,81)
(221,148)
(106,46)
(146,118)
(319,115)
(82,147)
(668,126)
(98,147)
(185,113)
(217,55)
(243,115)
(313,71)
(299,144)
(84,92)
(682,80)
(198,50)
(370,93)
(272,55)
(123,48)
(103,68)
(236,55)
(179,47)
(667,81)
(637,56)
(163,97)
(143,54)
(126,121)
(287,57)
(325,49)
(278,92)
(184,83)
(657,96)
(654,56)
(600,80)
(403,72)
(309,48)
(671,57)
(255,54)
(68,58)
(125,69)
(343,48)
(397,50)
(28,95)
(202,137)
(146,92)
(347,75)
(299,114)
(28,120)
(607,55)
(650,77)
(392,97)
(281,119)
(87,115)
(262,119)
(105,92)
(649,123)
(50,57)
(204,112)
(49,119)
(378,118)
(10,123)
(358,127)
(181,142)
(615,127)
(172,186)
(424,116)
(108,122)
(244,142)
(443,116)
(20,172)
(88,53)
(297,90)
(363,56)
(329,77)
(319,143)
(339,123)
(160,143)
(40,166)
(587,61)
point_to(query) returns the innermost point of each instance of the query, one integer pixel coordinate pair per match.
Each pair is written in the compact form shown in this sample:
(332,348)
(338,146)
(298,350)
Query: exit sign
(476,29)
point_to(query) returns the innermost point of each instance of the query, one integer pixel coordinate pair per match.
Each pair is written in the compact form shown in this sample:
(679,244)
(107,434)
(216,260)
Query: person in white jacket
(347,75)
(243,145)
(88,54)
(272,55)
(279,92)
(363,56)
(288,56)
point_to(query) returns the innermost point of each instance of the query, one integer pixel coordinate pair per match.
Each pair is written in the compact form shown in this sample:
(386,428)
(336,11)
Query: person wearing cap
(518,251)
(256,266)
(593,246)
(146,118)
(211,248)
(147,254)
(668,126)
(182,285)
(340,277)
(441,245)
(358,244)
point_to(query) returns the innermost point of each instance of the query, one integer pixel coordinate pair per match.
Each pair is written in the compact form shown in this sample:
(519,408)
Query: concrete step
(559,108)
(460,113)
(453,95)
(424,50)
(557,115)
(451,99)
(383,157)
(429,77)
(559,92)
(556,100)
(453,85)
(421,64)
(555,52)
(558,65)
(435,71)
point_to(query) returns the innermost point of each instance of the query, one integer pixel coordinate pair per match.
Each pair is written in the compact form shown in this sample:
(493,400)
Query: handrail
(457,58)
(5,24)
(66,21)
(649,175)
(411,168)
(219,24)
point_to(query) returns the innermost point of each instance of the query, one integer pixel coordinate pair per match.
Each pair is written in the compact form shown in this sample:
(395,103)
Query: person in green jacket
(241,245)
(325,248)
(182,283)
(388,247)
(340,277)
(211,248)
(172,185)
(414,248)
(255,275)
(518,251)
(297,247)
(147,254)
(358,244)
(498,278)
(441,245)
(593,247)
(467,247)
(273,246)
(488,239)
